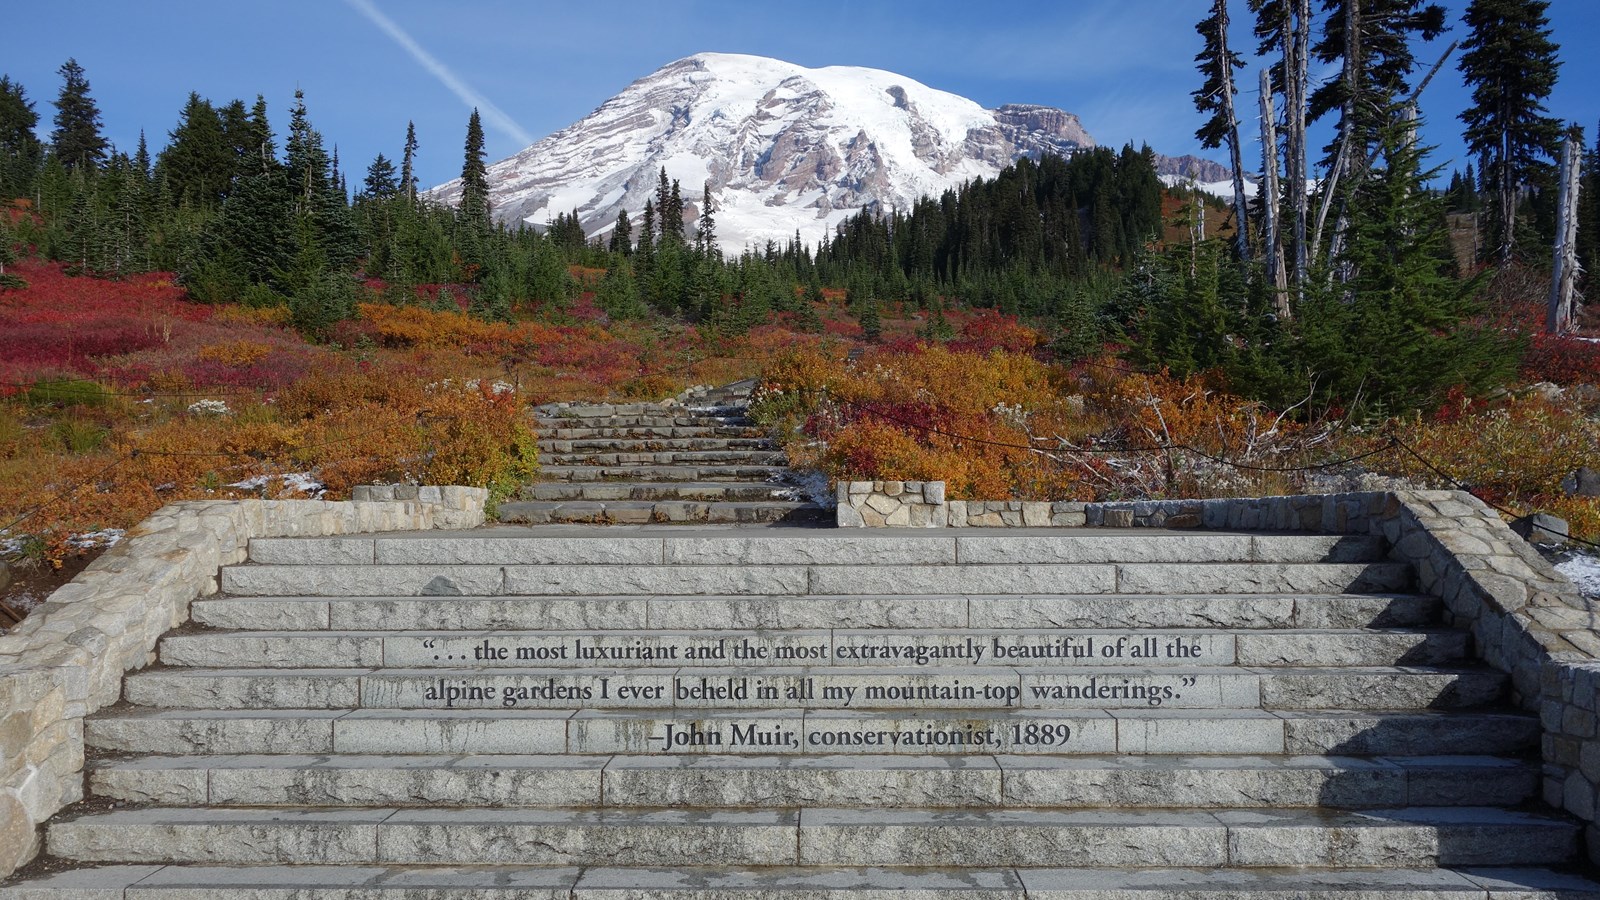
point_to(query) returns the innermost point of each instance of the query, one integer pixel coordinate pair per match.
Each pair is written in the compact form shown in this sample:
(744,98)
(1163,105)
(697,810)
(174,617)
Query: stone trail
(700,462)
(736,713)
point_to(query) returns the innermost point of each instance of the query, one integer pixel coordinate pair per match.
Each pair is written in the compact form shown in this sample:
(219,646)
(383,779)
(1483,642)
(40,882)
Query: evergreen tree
(1399,334)
(647,230)
(1371,40)
(198,162)
(474,210)
(408,162)
(262,156)
(20,152)
(672,214)
(323,226)
(705,235)
(492,302)
(76,138)
(380,183)
(618,292)
(1510,64)
(871,320)
(8,256)
(1589,210)
(622,235)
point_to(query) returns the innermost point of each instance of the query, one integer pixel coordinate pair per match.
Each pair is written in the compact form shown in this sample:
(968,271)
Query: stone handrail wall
(67,658)
(1524,617)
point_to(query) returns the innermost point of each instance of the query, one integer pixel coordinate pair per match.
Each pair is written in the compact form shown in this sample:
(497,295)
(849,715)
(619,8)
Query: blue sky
(1124,66)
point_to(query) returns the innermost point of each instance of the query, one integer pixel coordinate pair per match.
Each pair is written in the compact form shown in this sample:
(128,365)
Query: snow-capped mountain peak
(783,148)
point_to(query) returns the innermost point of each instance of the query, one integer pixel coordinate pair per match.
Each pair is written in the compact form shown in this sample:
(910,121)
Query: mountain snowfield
(784,148)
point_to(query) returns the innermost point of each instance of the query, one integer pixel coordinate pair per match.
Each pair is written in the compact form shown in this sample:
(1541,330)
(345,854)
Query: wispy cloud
(492,114)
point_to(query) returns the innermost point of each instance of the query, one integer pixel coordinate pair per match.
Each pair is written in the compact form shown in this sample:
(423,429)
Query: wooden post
(1269,200)
(1565,272)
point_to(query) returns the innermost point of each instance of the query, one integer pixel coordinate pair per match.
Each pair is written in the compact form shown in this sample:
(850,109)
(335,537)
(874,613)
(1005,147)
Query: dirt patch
(31,585)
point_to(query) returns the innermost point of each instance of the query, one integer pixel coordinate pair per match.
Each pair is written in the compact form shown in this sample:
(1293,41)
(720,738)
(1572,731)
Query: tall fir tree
(1371,41)
(1589,210)
(380,183)
(871,320)
(474,210)
(705,233)
(262,154)
(198,162)
(408,162)
(20,151)
(1511,66)
(1399,334)
(622,235)
(77,140)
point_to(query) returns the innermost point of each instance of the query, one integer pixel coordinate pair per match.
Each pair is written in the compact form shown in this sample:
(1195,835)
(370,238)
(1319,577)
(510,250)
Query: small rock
(1540,528)
(1585,482)
(1548,390)
(1118,518)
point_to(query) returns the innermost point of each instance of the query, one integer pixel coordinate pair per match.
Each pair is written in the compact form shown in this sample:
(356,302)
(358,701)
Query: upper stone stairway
(639,463)
(1071,714)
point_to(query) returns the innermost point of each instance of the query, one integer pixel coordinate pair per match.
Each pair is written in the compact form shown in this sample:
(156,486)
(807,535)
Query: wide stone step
(1381,839)
(871,688)
(639,512)
(764,782)
(663,473)
(1045,732)
(653,444)
(702,492)
(812,647)
(708,547)
(670,420)
(767,580)
(669,458)
(814,883)
(466,613)
(561,432)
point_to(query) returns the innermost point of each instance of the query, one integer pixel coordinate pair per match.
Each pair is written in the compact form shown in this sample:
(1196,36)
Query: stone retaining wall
(891,504)
(67,658)
(1525,618)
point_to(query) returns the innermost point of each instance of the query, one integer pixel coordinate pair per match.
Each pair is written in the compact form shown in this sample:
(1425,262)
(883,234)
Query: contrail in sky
(491,113)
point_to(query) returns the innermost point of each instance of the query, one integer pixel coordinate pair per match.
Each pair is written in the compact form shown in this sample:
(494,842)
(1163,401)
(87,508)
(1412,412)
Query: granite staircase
(683,713)
(664,463)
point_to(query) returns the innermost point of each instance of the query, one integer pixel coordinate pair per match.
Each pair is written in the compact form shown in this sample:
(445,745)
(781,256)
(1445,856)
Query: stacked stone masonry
(343,707)
(1524,617)
(697,460)
(67,659)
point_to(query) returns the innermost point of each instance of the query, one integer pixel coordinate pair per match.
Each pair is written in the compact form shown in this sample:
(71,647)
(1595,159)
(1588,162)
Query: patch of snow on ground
(1583,570)
(106,538)
(294,482)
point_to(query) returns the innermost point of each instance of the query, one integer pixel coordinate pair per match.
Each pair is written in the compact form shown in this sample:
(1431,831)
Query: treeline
(241,219)
(1025,242)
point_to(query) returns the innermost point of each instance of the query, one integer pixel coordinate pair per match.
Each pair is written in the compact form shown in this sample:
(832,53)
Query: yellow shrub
(239,354)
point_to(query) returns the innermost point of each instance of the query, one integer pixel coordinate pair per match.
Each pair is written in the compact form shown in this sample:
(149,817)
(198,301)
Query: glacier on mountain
(784,149)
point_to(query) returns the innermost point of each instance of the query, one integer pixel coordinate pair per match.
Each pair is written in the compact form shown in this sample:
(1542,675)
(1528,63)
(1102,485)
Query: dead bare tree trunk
(1240,214)
(1273,240)
(1344,160)
(1565,274)
(1296,71)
